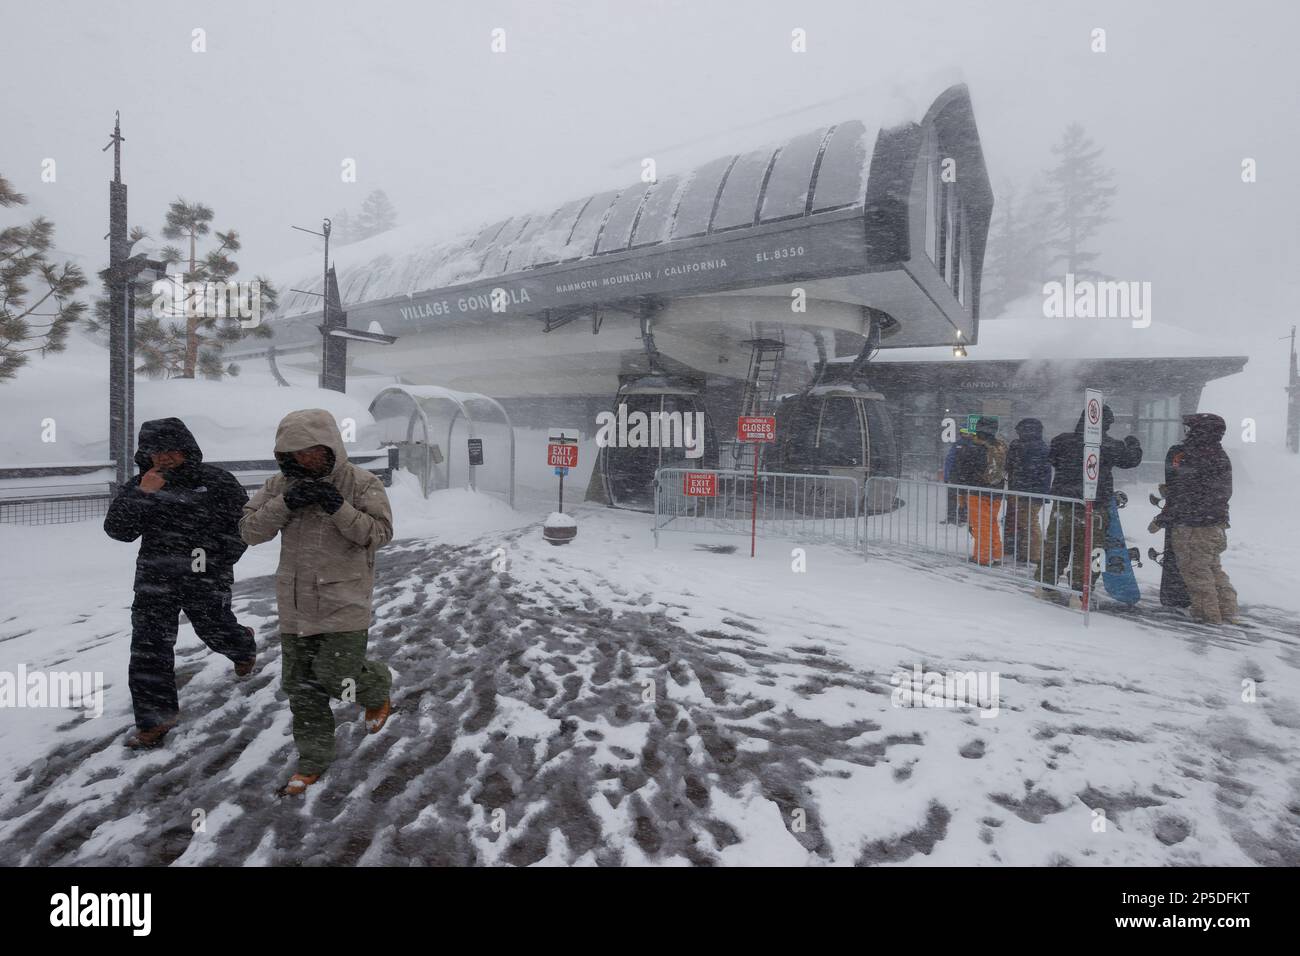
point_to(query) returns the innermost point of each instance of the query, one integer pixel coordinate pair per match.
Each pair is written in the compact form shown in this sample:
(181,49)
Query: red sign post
(1091,466)
(755,428)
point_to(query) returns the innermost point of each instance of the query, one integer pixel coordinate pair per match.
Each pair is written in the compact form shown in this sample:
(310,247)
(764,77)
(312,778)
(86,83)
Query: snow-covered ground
(618,703)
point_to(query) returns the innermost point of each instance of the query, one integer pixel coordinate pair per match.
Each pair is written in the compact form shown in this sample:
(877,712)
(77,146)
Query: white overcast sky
(258,125)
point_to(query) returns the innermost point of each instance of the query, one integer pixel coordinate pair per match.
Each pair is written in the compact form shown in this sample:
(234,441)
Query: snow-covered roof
(1022,332)
(806,174)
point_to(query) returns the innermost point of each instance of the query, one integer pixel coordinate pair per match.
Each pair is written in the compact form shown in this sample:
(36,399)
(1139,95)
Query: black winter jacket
(972,464)
(1028,467)
(199,506)
(1066,457)
(1200,485)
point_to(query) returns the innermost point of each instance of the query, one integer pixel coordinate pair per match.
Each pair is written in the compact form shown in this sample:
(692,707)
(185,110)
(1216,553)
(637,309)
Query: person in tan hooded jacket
(331,517)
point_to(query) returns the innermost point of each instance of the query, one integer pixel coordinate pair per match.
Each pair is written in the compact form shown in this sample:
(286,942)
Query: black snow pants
(154,620)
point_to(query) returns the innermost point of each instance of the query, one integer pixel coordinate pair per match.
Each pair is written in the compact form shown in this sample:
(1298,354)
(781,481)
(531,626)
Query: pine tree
(1016,263)
(377,215)
(24,256)
(163,345)
(1079,191)
(342,230)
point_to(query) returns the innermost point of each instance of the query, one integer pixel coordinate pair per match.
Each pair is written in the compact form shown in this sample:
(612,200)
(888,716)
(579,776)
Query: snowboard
(1118,578)
(1173,592)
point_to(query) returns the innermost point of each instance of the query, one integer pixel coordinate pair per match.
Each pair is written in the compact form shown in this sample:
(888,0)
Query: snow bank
(232,418)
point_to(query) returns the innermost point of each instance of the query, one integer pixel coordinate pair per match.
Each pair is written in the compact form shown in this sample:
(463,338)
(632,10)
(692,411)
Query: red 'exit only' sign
(756,428)
(700,484)
(562,456)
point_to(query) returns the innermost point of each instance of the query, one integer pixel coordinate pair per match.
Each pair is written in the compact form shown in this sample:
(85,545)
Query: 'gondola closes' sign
(756,428)
(700,484)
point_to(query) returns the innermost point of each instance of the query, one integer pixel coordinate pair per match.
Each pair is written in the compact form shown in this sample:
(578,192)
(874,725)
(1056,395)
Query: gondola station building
(777,280)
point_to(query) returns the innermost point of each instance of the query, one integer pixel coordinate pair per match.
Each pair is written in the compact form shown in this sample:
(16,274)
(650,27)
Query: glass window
(839,443)
(964,261)
(797,432)
(954,281)
(941,239)
(931,207)
(1159,425)
(883,444)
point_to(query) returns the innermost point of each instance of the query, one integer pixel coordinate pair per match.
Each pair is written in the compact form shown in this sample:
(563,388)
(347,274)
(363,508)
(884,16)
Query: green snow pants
(317,669)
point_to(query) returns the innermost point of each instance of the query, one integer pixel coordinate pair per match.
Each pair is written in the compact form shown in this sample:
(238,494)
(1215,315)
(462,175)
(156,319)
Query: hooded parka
(325,580)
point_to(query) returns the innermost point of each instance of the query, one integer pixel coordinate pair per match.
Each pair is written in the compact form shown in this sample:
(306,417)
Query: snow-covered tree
(377,215)
(36,294)
(1079,193)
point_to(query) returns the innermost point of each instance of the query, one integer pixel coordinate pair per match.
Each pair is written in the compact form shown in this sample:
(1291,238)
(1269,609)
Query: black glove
(299,495)
(327,496)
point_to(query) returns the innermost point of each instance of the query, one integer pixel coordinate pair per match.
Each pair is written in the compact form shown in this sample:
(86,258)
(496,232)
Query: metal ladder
(759,396)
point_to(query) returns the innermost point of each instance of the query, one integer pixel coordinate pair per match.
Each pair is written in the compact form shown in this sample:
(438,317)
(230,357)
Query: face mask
(290,467)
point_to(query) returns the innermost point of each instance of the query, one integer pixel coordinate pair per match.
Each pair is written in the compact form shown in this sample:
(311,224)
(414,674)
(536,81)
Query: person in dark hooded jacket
(186,514)
(1029,471)
(1064,542)
(1196,509)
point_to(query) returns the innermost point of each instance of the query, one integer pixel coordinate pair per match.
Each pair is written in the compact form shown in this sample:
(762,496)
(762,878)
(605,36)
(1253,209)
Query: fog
(258,125)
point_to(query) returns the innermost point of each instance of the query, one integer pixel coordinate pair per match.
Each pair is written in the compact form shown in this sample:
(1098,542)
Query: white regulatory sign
(1092,411)
(1091,468)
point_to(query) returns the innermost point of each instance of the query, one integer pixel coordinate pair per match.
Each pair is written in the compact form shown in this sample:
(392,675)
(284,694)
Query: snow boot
(244,668)
(376,717)
(298,784)
(151,738)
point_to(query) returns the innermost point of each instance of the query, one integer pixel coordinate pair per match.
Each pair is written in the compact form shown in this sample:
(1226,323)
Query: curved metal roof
(841,205)
(821,171)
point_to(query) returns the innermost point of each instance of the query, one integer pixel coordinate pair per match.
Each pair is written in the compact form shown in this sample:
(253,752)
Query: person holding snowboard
(1196,512)
(1029,472)
(186,514)
(1063,545)
(1173,591)
(332,517)
(982,464)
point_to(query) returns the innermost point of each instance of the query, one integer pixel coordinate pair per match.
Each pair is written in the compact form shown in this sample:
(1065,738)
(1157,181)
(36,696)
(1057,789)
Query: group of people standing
(1007,487)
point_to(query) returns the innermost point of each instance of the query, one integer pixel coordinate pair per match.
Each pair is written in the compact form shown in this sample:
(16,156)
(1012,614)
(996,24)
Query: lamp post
(121,274)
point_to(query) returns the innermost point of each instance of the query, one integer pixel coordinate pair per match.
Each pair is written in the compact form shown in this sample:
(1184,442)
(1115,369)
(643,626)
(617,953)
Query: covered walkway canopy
(414,417)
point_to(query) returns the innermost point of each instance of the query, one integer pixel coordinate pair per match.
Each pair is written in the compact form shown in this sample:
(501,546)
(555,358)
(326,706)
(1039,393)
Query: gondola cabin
(841,430)
(655,422)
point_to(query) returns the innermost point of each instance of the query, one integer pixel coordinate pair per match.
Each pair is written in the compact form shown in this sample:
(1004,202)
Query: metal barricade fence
(805,507)
(28,498)
(1036,537)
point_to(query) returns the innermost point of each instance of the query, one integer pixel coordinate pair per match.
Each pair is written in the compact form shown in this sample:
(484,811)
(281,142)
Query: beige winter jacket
(326,575)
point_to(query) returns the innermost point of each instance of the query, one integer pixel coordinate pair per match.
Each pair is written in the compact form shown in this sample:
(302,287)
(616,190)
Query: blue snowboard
(1118,578)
